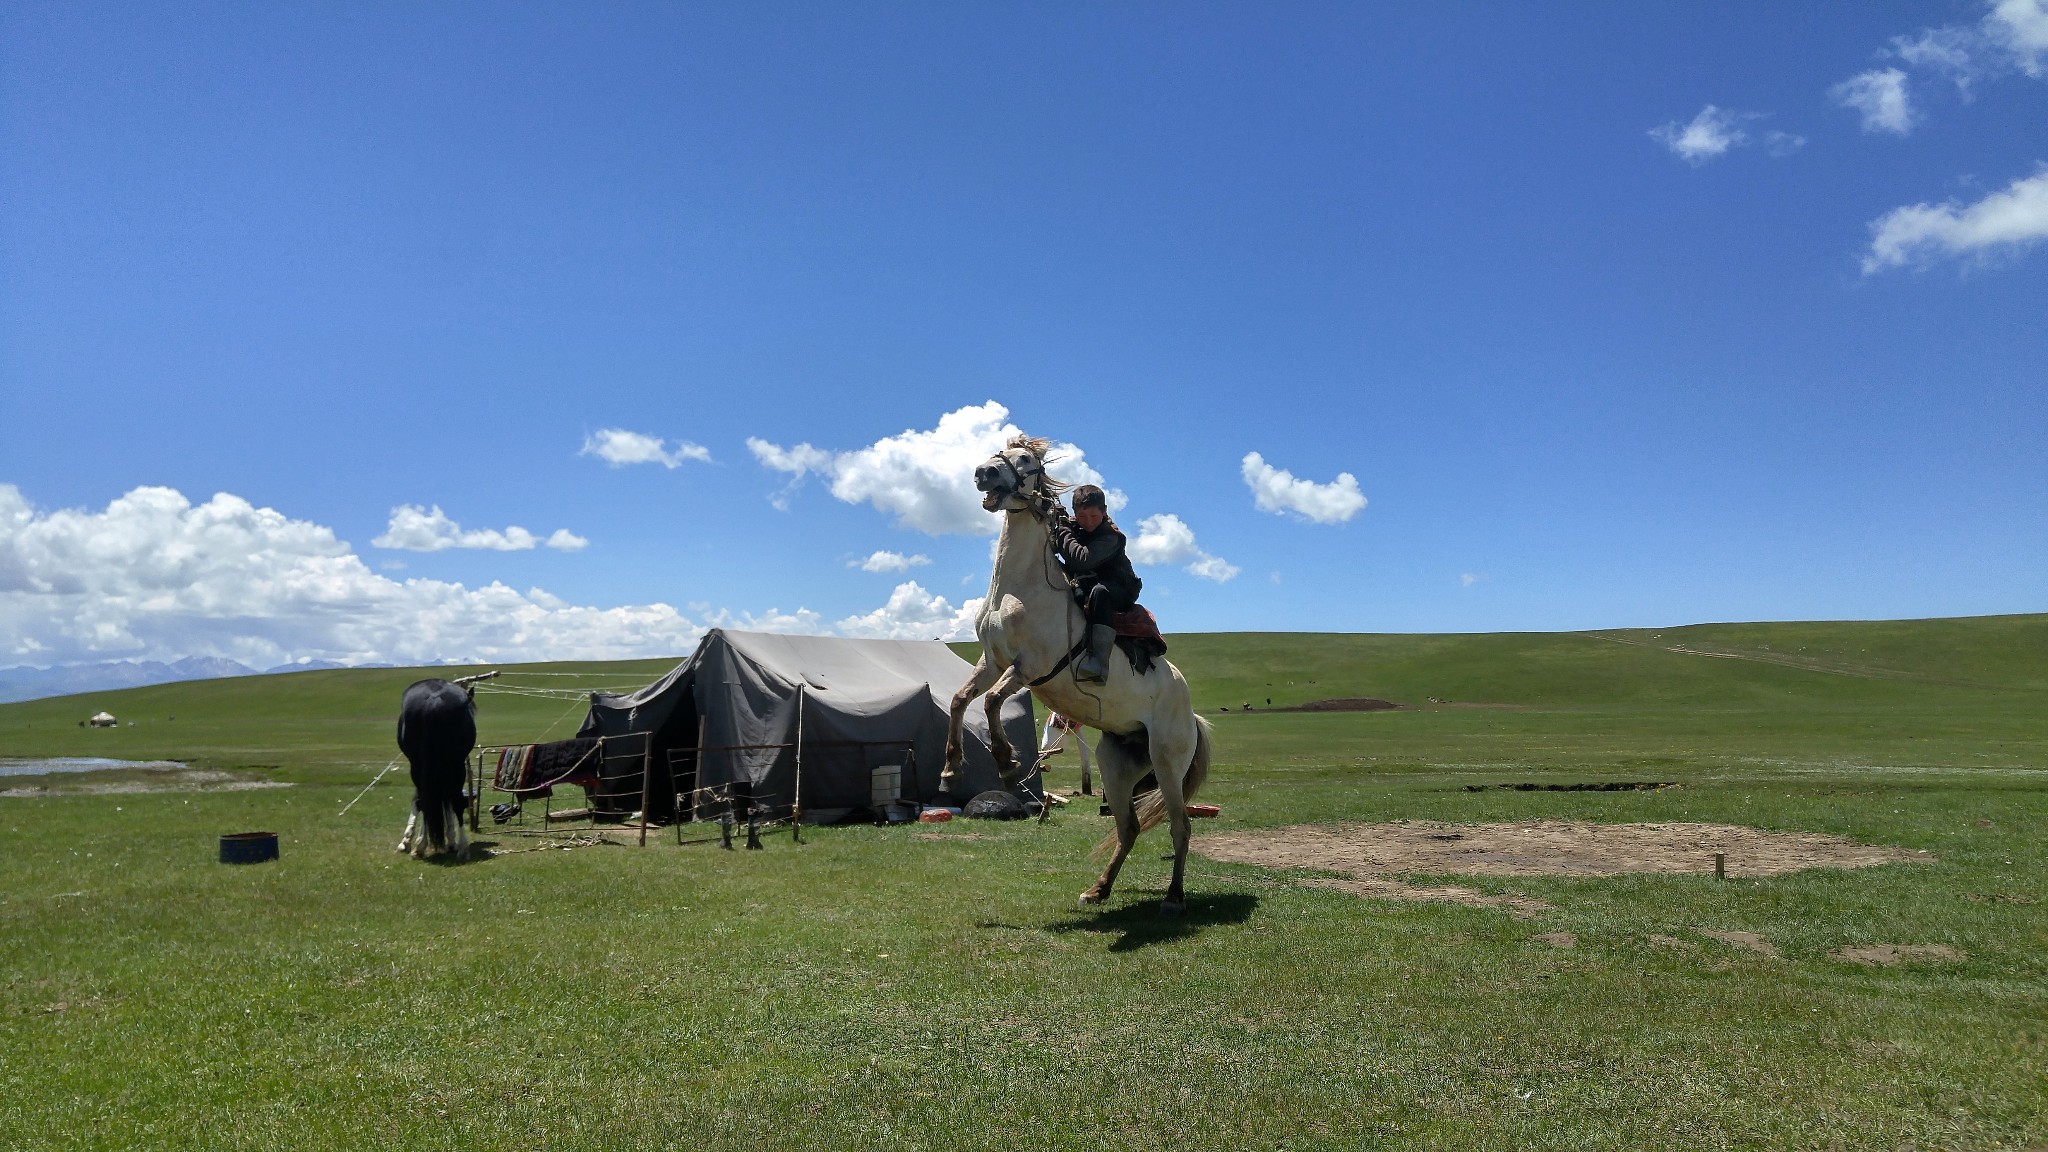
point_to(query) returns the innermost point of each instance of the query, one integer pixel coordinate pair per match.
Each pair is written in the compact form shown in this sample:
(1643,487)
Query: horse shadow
(1139,925)
(479,851)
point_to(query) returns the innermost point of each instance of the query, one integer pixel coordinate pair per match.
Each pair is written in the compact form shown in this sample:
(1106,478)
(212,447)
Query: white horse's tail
(1152,809)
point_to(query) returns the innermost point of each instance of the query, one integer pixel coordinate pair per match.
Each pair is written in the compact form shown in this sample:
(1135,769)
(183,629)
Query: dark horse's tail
(436,731)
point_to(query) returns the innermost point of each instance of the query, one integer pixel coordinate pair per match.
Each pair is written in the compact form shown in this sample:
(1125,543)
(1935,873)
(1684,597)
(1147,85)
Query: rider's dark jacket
(1096,558)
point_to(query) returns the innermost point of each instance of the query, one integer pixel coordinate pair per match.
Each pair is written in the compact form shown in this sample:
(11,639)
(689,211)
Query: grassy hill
(933,986)
(1954,692)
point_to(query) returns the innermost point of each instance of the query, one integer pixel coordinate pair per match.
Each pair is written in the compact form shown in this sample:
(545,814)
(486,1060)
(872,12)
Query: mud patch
(1557,939)
(1887,955)
(1543,848)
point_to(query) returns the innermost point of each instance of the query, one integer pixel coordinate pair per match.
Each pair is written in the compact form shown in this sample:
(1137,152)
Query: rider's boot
(1093,666)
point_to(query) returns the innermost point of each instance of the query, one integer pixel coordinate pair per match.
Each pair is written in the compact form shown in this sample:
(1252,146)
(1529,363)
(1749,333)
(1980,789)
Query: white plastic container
(885,785)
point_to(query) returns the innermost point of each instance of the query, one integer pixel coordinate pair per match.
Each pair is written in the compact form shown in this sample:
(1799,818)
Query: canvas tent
(862,705)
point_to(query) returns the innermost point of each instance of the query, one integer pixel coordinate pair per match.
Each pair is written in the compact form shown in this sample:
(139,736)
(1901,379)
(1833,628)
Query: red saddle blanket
(1137,621)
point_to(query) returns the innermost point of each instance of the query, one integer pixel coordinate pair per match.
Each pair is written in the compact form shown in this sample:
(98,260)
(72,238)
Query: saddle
(1137,633)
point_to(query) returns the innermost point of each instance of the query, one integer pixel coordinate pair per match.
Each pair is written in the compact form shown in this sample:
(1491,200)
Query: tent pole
(796,813)
(646,781)
(697,772)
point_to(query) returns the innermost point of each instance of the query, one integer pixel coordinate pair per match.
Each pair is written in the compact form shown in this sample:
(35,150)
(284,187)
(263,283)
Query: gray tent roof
(863,703)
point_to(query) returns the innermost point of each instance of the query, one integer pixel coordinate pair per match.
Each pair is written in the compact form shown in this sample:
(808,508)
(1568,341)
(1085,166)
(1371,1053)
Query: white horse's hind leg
(1119,776)
(460,840)
(1170,763)
(412,826)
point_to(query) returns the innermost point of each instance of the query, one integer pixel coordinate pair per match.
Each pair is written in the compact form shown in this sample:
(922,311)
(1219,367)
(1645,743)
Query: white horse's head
(1014,479)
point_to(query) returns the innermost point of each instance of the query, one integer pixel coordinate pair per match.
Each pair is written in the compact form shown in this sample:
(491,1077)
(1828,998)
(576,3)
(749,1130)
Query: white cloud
(1278,491)
(889,562)
(1710,134)
(2012,37)
(2020,27)
(915,614)
(1468,579)
(416,529)
(2002,222)
(618,447)
(1879,96)
(1166,539)
(1952,52)
(154,576)
(923,478)
(1781,144)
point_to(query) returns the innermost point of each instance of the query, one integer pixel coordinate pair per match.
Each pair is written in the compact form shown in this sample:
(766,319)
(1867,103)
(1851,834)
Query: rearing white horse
(1031,630)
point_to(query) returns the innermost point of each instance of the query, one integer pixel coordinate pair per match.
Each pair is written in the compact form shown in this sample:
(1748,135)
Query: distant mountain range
(27,683)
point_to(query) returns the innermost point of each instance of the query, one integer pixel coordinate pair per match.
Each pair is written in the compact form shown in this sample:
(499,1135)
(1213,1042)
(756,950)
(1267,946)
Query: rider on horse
(1091,550)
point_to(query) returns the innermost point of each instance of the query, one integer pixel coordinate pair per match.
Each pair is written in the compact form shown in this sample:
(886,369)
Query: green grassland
(937,987)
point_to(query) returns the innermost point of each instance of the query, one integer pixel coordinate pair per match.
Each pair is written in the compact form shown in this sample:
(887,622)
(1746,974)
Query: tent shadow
(1139,924)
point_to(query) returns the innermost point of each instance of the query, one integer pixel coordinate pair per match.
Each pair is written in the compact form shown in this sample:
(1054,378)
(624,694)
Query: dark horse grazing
(436,731)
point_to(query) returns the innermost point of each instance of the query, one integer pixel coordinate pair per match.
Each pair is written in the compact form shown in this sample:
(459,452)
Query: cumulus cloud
(1879,96)
(1706,136)
(416,529)
(618,447)
(924,478)
(889,562)
(1166,539)
(2020,28)
(912,613)
(154,576)
(2003,222)
(1278,491)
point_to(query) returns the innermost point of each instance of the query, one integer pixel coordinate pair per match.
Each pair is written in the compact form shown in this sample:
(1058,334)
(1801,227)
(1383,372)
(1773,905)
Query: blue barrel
(248,847)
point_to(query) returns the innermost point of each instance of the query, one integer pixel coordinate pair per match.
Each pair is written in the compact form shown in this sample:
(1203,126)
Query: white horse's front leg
(956,751)
(998,741)
(412,827)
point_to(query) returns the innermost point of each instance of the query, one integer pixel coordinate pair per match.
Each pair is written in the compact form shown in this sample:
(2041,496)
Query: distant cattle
(437,731)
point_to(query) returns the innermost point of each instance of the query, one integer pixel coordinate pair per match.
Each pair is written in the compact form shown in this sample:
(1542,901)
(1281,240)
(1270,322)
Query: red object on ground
(934,816)
(1205,811)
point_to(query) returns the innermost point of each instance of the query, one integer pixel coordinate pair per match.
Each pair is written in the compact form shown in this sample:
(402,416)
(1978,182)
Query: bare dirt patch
(1342,704)
(1557,939)
(1886,955)
(1739,939)
(122,783)
(1377,856)
(1387,889)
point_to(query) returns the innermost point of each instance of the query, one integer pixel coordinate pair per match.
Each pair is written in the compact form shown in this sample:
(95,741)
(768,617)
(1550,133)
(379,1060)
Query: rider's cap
(1089,496)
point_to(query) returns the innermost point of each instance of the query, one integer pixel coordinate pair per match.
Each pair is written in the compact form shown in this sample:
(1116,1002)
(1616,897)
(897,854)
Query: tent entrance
(829,780)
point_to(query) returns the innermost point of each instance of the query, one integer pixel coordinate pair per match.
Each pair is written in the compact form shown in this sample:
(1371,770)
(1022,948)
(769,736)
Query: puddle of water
(10,766)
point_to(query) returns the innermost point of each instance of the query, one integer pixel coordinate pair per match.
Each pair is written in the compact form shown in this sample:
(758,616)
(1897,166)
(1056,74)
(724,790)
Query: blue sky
(1614,314)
